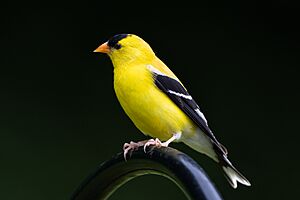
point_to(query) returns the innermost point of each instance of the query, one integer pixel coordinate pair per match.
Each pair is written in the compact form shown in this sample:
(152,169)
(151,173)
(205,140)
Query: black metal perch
(164,161)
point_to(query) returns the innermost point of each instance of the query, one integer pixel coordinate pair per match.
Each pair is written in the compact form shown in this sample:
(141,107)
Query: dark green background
(60,118)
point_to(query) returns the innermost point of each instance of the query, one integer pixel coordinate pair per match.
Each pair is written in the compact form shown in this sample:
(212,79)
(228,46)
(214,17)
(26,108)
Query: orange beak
(103,48)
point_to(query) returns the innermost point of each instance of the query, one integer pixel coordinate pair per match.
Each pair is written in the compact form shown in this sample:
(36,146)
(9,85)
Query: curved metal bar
(164,161)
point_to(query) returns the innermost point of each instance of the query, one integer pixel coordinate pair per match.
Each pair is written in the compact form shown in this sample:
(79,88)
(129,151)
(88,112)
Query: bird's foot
(156,143)
(129,147)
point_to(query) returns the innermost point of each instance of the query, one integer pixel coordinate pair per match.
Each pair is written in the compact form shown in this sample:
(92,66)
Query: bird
(158,103)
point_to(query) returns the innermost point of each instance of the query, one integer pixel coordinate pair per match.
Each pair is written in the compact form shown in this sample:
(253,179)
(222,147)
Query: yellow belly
(151,111)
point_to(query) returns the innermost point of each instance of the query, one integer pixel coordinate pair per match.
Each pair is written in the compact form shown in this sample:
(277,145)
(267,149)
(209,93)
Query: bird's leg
(129,147)
(176,136)
(158,143)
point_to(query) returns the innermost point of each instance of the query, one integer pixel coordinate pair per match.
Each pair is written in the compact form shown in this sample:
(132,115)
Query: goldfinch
(158,103)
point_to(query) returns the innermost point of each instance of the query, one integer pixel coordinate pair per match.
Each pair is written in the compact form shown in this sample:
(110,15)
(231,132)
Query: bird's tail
(231,173)
(217,152)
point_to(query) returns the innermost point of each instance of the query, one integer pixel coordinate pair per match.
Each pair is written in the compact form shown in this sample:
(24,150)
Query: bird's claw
(129,147)
(153,142)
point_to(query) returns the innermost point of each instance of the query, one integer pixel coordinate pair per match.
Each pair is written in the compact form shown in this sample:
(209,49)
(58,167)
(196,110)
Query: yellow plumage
(158,104)
(150,110)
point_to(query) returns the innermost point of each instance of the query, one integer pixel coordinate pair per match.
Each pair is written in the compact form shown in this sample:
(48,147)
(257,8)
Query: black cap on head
(113,41)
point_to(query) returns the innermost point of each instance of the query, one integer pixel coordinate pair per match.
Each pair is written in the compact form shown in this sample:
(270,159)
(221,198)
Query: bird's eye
(117,46)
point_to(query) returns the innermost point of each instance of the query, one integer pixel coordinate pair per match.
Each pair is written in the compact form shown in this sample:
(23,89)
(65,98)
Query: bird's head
(125,48)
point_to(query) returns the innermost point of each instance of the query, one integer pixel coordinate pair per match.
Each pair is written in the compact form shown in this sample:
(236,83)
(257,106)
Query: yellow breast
(151,110)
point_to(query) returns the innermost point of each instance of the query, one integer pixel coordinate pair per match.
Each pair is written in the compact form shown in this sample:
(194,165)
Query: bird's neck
(126,61)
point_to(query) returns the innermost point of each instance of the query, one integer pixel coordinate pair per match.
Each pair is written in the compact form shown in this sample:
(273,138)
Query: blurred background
(59,117)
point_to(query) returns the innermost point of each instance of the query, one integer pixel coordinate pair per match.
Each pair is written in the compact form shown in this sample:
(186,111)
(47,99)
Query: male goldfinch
(158,104)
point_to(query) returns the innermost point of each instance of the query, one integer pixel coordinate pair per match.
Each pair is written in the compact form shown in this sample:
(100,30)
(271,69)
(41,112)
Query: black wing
(178,94)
